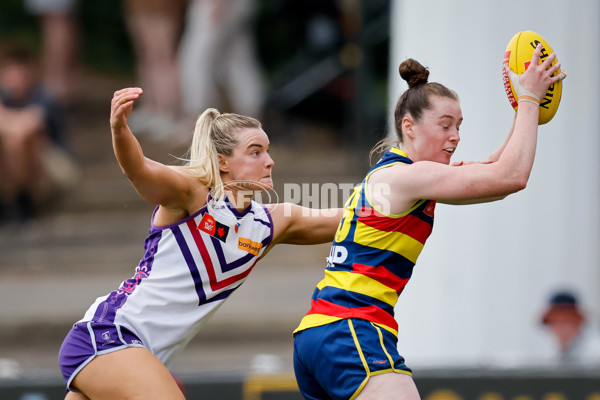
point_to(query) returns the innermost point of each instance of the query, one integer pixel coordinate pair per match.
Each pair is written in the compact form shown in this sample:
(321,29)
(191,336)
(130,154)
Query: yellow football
(518,57)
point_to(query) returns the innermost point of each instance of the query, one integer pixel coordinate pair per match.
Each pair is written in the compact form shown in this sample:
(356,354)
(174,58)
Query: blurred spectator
(218,62)
(155,28)
(34,162)
(574,340)
(60,45)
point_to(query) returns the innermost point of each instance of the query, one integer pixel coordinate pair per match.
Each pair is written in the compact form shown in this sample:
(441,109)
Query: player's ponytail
(203,157)
(215,134)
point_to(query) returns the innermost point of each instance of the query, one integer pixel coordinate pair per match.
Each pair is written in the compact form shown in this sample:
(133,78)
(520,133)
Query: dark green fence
(460,385)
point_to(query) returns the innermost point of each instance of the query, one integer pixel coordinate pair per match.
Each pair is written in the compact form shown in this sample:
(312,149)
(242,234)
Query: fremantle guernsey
(371,259)
(188,270)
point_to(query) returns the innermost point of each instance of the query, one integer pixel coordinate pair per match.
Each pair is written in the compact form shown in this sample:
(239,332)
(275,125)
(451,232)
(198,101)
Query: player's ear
(223,163)
(407,126)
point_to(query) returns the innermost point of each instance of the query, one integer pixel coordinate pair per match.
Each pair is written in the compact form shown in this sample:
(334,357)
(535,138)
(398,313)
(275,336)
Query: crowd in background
(35,157)
(235,55)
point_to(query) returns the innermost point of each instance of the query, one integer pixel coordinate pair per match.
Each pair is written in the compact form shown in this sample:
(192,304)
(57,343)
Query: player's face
(437,132)
(250,165)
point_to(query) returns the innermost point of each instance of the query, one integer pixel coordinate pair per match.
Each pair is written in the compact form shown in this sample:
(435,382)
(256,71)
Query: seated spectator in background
(155,28)
(34,162)
(576,341)
(218,61)
(60,45)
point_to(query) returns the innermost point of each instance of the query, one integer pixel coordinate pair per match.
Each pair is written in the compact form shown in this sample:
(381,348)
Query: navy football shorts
(336,360)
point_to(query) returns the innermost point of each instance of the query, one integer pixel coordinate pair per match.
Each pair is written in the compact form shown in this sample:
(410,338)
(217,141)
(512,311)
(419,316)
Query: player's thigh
(132,373)
(76,396)
(390,386)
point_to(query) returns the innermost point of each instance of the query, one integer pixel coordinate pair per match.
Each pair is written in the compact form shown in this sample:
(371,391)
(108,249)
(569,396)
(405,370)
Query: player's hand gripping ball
(518,57)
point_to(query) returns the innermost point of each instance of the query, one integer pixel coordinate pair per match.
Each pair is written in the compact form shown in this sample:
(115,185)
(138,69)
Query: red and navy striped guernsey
(371,259)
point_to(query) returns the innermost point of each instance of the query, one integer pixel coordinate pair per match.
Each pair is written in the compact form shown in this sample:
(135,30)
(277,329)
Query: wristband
(530,98)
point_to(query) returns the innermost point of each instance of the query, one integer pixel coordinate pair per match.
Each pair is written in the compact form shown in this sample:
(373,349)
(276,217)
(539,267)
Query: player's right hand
(535,81)
(121,106)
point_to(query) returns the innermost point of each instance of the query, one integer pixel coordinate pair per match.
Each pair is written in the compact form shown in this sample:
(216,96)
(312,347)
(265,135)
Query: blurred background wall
(483,280)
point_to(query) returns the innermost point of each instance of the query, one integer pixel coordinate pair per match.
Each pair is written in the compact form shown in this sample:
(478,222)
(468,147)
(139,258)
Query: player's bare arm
(157,183)
(294,224)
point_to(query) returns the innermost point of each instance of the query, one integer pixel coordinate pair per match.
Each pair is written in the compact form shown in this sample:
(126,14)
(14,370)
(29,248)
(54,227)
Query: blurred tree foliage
(105,45)
(105,37)
(292,37)
(280,28)
(16,26)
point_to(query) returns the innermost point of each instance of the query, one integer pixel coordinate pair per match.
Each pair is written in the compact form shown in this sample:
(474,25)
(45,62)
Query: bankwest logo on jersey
(249,246)
(213,228)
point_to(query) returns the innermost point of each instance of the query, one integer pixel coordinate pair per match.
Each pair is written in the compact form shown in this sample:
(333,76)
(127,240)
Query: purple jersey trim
(106,311)
(266,242)
(155,228)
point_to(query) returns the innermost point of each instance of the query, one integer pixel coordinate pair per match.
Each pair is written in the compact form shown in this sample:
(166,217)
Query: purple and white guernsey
(188,270)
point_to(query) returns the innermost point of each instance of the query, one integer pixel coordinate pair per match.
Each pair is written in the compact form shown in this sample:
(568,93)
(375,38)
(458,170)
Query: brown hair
(214,134)
(414,100)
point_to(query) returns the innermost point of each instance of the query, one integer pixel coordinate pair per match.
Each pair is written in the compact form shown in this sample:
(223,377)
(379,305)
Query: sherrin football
(518,57)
